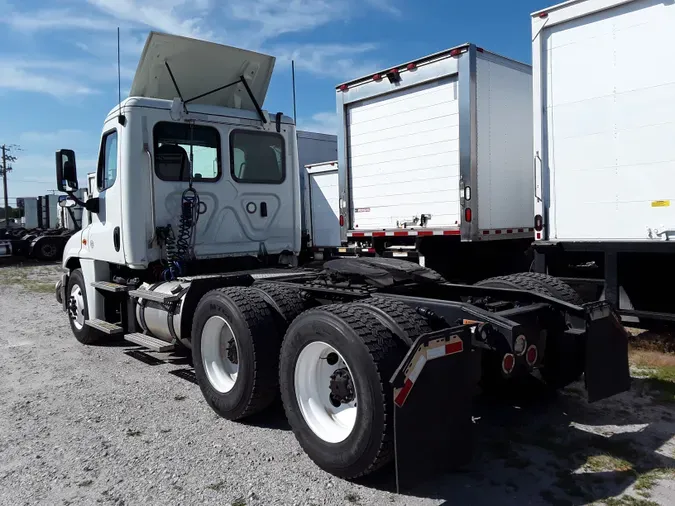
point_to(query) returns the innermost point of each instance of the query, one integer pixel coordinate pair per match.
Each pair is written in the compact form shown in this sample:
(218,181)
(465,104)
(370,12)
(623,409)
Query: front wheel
(335,366)
(78,311)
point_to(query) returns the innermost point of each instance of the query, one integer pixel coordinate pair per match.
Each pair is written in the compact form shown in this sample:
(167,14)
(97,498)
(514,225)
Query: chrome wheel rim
(220,354)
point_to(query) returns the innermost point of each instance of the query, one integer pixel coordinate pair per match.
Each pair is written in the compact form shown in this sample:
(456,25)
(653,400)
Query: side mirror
(65,202)
(66,171)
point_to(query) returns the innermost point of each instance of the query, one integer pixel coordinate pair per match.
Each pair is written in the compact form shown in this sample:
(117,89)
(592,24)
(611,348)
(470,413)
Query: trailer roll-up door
(404,156)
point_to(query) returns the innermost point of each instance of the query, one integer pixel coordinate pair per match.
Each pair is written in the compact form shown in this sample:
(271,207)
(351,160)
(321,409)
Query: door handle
(116,238)
(263,209)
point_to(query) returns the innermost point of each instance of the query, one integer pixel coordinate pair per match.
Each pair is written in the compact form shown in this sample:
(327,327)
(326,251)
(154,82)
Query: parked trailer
(603,154)
(435,162)
(375,359)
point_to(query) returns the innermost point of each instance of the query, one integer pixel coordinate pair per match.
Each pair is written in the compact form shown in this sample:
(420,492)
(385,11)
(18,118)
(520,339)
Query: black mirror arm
(90,205)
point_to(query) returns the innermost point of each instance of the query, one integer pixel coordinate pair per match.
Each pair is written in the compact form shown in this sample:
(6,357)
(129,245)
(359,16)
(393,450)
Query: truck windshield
(172,152)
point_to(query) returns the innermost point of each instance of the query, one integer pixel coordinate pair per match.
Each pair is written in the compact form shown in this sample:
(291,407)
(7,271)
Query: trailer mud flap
(433,388)
(607,370)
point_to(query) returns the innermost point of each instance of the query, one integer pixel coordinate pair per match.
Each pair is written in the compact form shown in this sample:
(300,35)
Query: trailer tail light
(543,15)
(467,215)
(377,77)
(532,355)
(342,220)
(508,363)
(538,223)
(344,87)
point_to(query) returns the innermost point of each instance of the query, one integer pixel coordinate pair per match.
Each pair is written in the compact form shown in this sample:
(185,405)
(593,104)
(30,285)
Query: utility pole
(7,158)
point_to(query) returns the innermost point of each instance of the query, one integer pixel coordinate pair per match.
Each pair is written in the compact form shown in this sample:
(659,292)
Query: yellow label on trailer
(661,203)
(342,250)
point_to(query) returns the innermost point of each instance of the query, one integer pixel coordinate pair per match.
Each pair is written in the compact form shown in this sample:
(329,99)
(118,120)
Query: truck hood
(199,67)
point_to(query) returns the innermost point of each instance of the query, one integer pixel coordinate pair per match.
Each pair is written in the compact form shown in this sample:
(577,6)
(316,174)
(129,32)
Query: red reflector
(543,15)
(379,234)
(538,223)
(358,234)
(344,87)
(480,49)
(377,77)
(498,232)
(486,232)
(400,234)
(411,66)
(342,221)
(532,355)
(509,230)
(393,71)
(538,235)
(520,230)
(425,232)
(370,250)
(508,363)
(450,232)
(467,214)
(456,52)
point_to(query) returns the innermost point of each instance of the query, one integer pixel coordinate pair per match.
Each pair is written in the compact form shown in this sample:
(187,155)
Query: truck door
(104,238)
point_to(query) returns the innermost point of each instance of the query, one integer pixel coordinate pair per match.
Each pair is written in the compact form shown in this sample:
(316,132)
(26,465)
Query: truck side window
(172,152)
(257,157)
(107,161)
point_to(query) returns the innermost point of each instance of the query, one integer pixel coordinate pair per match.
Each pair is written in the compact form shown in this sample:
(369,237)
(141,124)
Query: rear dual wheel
(335,366)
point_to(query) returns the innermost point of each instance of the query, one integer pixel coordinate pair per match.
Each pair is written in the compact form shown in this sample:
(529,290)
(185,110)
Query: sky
(58,58)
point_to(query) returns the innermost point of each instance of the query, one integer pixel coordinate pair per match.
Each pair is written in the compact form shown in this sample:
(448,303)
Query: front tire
(235,350)
(78,309)
(335,366)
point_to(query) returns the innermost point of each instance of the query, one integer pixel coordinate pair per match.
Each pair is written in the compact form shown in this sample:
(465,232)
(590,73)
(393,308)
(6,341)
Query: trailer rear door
(404,157)
(325,212)
(609,104)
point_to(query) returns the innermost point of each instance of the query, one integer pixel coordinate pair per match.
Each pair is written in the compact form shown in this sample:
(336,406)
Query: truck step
(162,298)
(149,342)
(107,286)
(107,328)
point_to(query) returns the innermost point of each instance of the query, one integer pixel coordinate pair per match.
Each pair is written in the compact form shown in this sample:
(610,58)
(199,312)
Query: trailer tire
(78,309)
(400,318)
(370,353)
(236,388)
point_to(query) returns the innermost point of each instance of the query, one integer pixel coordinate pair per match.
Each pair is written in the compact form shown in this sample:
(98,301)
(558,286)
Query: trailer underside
(369,341)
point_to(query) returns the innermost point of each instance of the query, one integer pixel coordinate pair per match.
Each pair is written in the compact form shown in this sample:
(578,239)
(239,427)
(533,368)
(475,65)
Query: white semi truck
(375,359)
(604,103)
(435,162)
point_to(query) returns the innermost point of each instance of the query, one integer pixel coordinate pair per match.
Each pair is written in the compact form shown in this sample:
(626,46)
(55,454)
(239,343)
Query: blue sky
(58,70)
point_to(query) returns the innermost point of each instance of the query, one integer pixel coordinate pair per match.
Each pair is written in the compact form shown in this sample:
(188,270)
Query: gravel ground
(90,425)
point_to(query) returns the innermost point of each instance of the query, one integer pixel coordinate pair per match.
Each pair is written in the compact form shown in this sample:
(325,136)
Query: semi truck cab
(190,168)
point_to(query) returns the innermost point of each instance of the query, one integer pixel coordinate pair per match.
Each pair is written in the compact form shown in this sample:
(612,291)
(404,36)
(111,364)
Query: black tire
(87,334)
(372,353)
(288,303)
(559,289)
(400,318)
(258,341)
(48,249)
(513,281)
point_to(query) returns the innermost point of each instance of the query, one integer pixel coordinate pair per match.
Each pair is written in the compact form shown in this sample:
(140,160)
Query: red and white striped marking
(403,233)
(507,231)
(436,349)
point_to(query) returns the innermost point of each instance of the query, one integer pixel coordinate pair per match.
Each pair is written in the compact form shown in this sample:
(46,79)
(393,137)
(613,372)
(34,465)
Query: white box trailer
(604,103)
(322,197)
(440,146)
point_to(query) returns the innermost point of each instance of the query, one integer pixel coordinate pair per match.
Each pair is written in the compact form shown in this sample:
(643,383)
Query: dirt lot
(89,425)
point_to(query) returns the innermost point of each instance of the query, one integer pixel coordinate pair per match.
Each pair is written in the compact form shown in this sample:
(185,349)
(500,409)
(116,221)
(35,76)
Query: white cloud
(337,61)
(322,122)
(55,19)
(386,6)
(18,79)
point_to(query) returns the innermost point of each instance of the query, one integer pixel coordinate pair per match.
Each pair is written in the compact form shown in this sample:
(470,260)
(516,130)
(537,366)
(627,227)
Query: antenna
(120,118)
(295,112)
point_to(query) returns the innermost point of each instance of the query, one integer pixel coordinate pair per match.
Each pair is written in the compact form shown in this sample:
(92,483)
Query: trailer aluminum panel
(437,146)
(324,208)
(604,105)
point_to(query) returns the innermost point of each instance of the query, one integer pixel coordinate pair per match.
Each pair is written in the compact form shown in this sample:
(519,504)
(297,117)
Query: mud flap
(433,389)
(607,370)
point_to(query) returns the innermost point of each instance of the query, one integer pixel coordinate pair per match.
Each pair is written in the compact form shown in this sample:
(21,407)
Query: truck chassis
(376,360)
